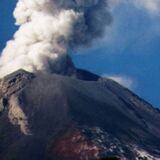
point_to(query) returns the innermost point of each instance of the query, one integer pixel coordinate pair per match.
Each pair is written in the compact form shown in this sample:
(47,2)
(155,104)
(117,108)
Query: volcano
(74,115)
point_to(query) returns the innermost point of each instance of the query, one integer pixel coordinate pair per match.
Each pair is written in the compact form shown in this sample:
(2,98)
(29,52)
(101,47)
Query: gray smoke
(48,28)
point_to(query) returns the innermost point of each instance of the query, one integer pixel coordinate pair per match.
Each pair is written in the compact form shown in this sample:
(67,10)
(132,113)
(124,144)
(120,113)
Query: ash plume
(48,28)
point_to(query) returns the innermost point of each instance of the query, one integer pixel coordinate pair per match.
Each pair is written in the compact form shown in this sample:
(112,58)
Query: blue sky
(129,51)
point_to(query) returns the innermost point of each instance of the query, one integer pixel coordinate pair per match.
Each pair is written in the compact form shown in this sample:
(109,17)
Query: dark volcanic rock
(76,117)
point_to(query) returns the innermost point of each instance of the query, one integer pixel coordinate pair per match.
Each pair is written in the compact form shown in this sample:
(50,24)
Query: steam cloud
(48,28)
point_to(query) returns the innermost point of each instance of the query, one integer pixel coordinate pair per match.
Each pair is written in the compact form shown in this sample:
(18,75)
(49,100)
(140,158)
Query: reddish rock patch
(74,145)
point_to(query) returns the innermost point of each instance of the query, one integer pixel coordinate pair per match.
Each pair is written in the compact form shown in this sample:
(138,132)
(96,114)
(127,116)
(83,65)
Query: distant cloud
(151,6)
(123,80)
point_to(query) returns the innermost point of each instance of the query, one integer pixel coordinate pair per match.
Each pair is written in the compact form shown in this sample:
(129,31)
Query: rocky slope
(75,116)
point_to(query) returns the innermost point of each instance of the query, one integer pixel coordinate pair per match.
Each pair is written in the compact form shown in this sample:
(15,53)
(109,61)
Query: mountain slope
(76,117)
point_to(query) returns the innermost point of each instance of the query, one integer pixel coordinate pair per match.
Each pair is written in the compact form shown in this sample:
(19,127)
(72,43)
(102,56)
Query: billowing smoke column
(48,28)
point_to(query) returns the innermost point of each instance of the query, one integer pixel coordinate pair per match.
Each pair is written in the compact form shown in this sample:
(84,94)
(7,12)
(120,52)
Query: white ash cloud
(48,28)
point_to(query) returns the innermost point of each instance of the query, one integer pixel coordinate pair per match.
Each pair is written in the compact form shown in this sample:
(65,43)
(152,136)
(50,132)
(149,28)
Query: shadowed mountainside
(76,116)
